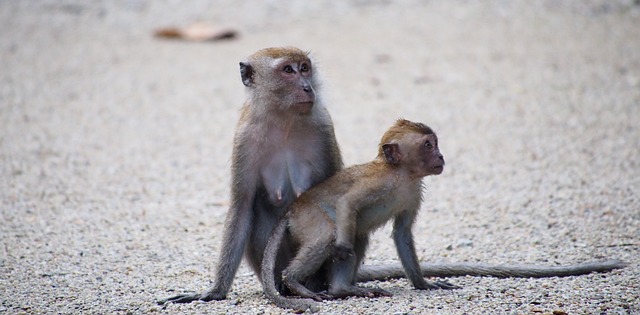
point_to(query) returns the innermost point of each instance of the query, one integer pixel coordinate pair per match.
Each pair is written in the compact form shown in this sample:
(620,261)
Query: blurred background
(115,144)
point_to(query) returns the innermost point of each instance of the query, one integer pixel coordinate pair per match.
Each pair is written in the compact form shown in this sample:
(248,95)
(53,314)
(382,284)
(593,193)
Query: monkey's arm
(358,196)
(236,231)
(333,155)
(345,229)
(237,228)
(403,239)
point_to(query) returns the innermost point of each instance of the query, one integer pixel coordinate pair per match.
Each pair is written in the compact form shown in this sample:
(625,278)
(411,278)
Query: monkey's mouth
(438,169)
(303,108)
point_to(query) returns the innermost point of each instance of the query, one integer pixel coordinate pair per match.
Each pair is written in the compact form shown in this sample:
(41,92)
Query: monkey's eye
(428,144)
(304,67)
(288,69)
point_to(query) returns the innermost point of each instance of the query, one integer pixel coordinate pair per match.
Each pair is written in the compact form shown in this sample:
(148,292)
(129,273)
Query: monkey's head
(412,146)
(281,76)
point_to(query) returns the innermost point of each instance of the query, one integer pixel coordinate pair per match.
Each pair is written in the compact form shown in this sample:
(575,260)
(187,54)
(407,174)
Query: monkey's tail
(268,275)
(394,271)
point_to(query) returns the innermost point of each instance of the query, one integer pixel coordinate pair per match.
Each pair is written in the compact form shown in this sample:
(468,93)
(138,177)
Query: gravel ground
(115,146)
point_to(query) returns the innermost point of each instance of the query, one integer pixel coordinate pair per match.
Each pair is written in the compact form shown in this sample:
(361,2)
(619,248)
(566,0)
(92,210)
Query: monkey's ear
(392,153)
(246,73)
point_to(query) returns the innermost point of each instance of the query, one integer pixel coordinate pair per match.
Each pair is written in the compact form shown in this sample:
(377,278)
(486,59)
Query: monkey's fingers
(323,295)
(446,285)
(181,298)
(212,294)
(190,297)
(377,292)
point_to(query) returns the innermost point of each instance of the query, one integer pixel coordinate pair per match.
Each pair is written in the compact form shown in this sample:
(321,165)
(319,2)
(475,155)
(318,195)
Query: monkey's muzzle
(303,108)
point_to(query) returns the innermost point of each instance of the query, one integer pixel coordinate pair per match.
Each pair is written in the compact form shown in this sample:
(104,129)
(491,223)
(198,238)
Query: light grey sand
(115,146)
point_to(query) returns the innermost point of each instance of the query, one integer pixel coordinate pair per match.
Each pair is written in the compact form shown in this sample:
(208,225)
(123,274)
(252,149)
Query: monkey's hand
(207,296)
(428,285)
(341,252)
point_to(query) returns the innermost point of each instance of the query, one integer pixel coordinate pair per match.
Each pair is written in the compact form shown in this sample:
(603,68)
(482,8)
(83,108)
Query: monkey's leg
(342,274)
(403,238)
(308,260)
(360,248)
(317,282)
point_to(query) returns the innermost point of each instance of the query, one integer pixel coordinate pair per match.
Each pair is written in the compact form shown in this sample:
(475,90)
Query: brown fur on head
(399,129)
(290,53)
(256,70)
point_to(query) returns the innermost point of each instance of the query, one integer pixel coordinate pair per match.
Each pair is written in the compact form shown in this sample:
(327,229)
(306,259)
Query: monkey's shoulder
(353,177)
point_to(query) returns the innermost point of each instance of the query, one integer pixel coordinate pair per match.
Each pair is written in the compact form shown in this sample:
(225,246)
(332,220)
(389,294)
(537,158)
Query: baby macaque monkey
(329,225)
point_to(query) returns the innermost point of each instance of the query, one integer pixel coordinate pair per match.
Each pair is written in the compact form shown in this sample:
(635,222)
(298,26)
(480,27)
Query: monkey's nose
(307,88)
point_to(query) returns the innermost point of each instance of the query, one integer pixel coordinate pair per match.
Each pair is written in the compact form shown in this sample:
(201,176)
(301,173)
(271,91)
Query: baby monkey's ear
(392,153)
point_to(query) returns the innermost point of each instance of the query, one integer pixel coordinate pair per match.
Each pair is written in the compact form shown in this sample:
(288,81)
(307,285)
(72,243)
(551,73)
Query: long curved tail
(268,275)
(393,271)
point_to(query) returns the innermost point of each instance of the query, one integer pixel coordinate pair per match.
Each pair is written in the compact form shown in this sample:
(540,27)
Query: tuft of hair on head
(414,126)
(400,128)
(290,53)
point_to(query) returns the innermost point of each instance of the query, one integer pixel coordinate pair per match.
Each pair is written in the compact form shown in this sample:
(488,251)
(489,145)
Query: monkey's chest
(285,176)
(386,208)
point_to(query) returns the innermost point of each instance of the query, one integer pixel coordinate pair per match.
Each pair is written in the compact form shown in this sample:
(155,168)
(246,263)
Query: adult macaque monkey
(329,225)
(284,144)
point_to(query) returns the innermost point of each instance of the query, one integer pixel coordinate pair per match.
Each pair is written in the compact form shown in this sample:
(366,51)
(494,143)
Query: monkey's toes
(361,292)
(324,295)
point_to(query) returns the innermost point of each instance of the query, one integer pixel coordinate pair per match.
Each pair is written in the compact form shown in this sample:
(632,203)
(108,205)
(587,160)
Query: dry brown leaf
(195,32)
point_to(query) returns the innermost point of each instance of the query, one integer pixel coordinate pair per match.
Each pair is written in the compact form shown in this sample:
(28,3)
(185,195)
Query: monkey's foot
(359,292)
(190,297)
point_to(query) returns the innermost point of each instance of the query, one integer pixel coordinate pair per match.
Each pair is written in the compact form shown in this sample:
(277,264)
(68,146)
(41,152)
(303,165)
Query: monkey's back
(316,208)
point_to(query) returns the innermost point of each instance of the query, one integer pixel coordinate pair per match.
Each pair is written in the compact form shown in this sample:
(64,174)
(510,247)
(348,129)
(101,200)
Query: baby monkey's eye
(304,67)
(288,69)
(428,144)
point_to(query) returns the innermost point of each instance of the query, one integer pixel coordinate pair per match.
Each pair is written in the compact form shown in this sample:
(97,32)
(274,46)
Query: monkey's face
(296,89)
(430,160)
(281,78)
